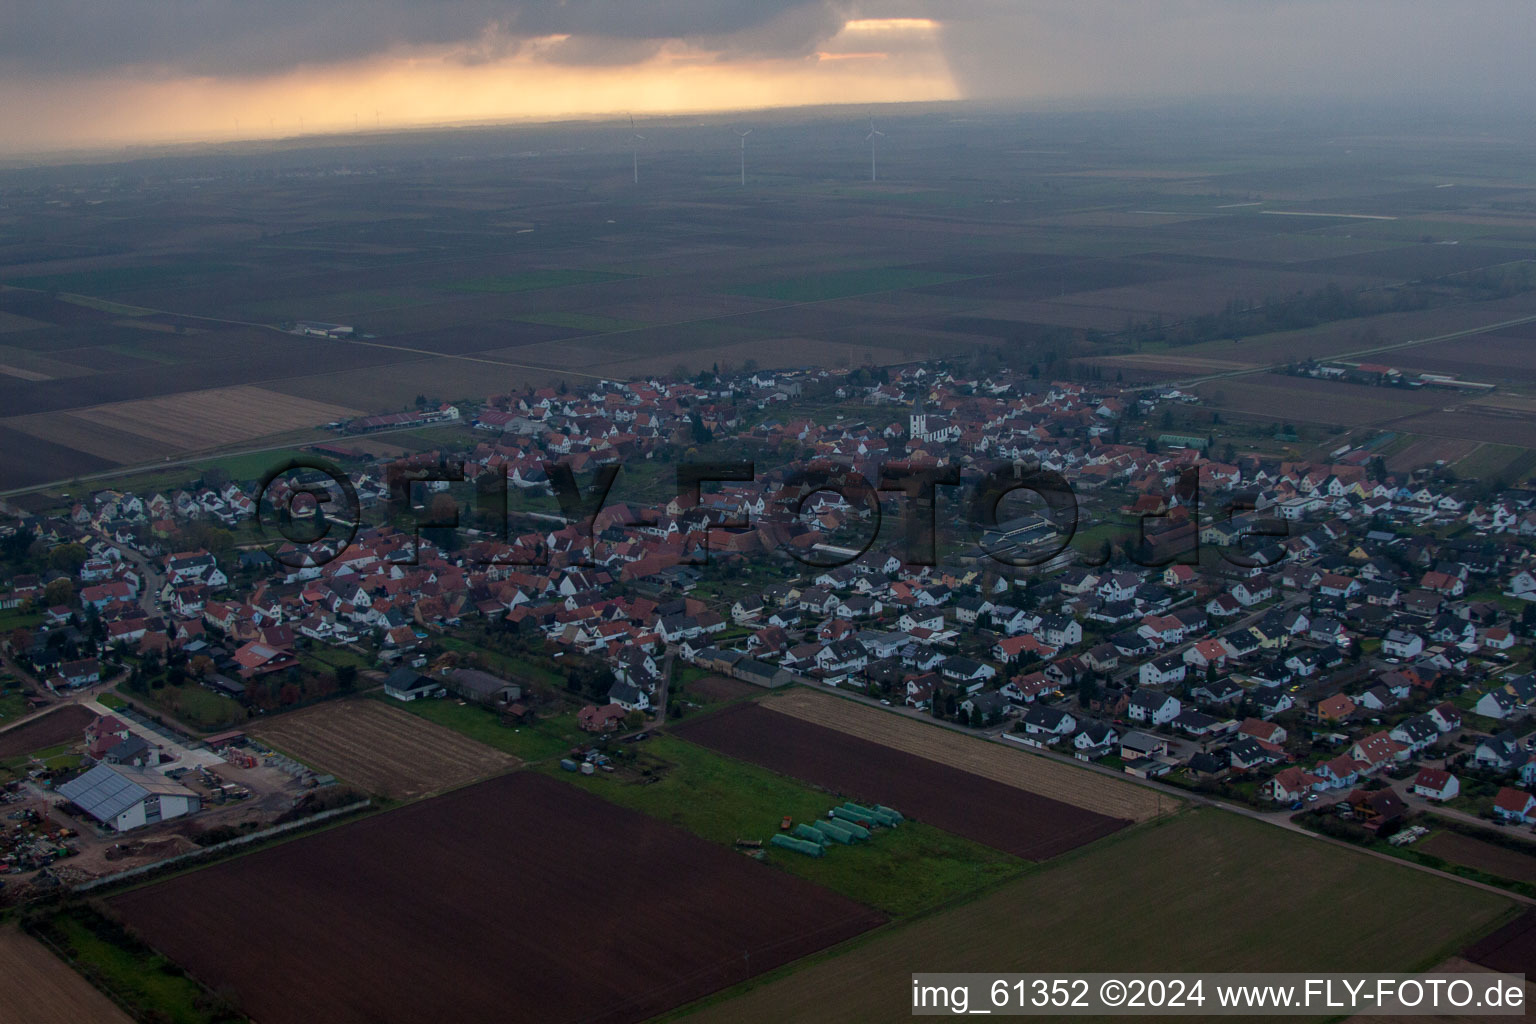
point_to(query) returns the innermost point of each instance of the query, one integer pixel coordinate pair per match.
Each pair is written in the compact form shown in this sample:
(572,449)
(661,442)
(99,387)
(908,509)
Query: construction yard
(382,749)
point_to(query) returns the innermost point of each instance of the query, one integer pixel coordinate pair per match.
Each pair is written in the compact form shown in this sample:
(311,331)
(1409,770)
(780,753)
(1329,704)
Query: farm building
(408,684)
(123,797)
(481,687)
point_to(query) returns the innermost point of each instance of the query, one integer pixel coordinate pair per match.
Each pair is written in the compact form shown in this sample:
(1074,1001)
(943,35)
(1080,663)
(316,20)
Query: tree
(1088,690)
(59,591)
(346,678)
(68,558)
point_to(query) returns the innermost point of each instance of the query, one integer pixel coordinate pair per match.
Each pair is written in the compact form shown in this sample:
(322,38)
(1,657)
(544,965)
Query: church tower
(917,428)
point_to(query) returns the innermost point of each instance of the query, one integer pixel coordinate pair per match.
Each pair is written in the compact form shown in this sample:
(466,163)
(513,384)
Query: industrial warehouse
(123,797)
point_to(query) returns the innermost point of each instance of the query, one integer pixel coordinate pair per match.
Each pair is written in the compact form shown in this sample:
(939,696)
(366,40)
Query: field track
(382,749)
(1021,770)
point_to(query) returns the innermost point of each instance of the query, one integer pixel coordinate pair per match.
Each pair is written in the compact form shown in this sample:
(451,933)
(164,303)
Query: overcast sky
(79,72)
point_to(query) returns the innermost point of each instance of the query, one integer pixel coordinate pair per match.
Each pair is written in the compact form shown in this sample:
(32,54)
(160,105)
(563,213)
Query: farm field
(1511,948)
(1203,890)
(39,988)
(382,749)
(416,906)
(1004,817)
(1489,857)
(902,871)
(1015,768)
(1281,398)
(130,338)
(61,725)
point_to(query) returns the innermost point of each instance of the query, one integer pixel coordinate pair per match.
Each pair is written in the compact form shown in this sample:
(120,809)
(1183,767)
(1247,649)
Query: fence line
(208,851)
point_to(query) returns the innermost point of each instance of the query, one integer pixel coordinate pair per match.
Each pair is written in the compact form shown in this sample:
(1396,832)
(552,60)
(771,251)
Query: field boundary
(216,849)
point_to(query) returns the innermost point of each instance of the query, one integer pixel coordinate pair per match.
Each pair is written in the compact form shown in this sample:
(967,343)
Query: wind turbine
(635,139)
(870,138)
(743,137)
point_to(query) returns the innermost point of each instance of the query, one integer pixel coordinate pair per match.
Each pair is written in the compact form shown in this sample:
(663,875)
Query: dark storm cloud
(235,37)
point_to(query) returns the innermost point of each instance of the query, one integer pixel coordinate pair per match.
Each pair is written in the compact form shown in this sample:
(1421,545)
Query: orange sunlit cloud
(419,87)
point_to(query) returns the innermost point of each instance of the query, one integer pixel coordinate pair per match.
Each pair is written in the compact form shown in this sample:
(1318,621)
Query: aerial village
(1324,638)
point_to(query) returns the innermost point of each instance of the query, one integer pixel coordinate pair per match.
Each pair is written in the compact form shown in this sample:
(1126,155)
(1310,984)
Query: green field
(543,740)
(154,987)
(191,704)
(901,871)
(838,284)
(119,279)
(1203,891)
(532,280)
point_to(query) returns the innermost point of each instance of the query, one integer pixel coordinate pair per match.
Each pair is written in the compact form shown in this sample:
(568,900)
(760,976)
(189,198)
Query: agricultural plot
(1202,891)
(62,725)
(38,988)
(480,905)
(1474,853)
(1038,775)
(1511,948)
(1004,817)
(1279,398)
(902,871)
(382,749)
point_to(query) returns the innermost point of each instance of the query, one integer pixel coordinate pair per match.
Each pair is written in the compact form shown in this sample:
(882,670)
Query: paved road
(184,757)
(661,700)
(151,578)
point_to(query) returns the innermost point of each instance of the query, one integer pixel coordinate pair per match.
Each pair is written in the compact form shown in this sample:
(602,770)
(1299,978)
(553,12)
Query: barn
(123,797)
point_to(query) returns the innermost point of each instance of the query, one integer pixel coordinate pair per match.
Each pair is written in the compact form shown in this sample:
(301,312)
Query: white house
(1402,644)
(1153,707)
(1434,784)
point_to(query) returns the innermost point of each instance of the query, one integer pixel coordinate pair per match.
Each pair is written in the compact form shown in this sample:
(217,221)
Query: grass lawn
(1203,891)
(138,976)
(13,618)
(901,871)
(111,700)
(12,706)
(191,704)
(544,740)
(509,666)
(336,657)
